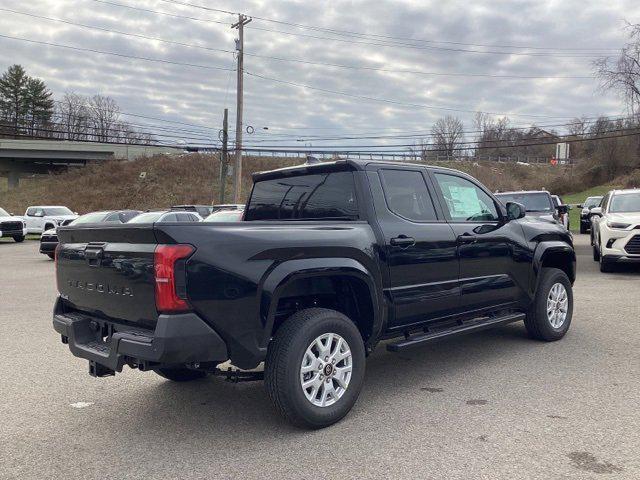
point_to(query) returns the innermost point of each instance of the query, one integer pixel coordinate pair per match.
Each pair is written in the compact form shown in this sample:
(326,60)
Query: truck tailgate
(108,271)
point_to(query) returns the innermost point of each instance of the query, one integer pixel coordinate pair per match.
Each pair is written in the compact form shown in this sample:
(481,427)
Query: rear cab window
(315,196)
(406,194)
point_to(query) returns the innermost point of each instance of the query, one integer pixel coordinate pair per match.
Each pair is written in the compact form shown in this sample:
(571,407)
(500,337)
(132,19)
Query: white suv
(615,232)
(44,218)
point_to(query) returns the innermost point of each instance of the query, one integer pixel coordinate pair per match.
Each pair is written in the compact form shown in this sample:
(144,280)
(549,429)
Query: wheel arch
(348,277)
(554,254)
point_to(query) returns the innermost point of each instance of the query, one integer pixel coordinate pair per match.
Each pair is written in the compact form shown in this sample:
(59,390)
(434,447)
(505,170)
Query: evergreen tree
(13,106)
(39,104)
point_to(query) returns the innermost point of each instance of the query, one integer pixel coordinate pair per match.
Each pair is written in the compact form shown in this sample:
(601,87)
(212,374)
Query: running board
(465,327)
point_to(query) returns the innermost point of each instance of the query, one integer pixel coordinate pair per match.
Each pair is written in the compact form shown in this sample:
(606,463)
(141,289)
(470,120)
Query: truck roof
(520,192)
(336,165)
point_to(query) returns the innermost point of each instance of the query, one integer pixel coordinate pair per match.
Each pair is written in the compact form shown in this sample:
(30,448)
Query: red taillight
(168,299)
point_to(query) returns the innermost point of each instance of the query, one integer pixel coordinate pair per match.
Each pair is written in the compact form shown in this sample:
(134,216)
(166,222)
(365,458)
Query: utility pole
(237,170)
(224,155)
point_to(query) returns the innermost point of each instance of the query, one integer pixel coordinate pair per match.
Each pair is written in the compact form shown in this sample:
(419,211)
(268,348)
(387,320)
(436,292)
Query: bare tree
(74,117)
(622,74)
(105,114)
(447,135)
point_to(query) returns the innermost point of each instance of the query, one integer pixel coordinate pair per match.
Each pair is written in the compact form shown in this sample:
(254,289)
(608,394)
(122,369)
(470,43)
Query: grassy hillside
(194,179)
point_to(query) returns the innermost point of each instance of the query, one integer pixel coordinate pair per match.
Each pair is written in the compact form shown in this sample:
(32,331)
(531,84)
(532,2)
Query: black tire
(180,374)
(52,256)
(19,238)
(284,360)
(605,266)
(596,254)
(537,321)
(583,229)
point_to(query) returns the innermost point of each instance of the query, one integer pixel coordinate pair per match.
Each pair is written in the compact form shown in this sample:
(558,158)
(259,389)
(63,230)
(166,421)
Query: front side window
(319,196)
(3,213)
(58,211)
(592,202)
(407,195)
(465,201)
(625,203)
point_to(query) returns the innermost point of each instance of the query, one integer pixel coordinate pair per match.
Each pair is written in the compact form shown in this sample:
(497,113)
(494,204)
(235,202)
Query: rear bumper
(177,339)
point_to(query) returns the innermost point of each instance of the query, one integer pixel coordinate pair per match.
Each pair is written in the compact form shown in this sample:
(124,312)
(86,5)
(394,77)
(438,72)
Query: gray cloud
(196,95)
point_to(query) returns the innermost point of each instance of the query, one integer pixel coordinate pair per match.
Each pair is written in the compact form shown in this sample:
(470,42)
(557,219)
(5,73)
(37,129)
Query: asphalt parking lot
(487,406)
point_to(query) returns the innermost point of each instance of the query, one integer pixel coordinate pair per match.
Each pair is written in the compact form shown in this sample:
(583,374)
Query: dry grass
(194,179)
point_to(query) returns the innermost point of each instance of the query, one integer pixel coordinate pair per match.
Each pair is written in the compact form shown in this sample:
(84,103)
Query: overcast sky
(562,37)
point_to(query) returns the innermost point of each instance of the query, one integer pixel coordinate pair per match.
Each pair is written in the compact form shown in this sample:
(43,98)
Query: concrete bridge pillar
(13,178)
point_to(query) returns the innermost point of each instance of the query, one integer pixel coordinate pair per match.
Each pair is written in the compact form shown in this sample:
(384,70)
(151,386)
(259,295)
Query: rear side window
(304,197)
(406,194)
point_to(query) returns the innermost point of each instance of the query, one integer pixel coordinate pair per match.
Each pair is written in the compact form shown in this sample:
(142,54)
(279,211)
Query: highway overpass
(22,157)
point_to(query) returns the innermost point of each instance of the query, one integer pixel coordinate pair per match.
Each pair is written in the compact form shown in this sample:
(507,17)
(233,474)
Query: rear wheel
(52,256)
(550,314)
(19,238)
(180,374)
(315,367)
(596,254)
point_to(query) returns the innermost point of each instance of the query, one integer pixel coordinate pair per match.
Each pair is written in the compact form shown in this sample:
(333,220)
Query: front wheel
(19,238)
(315,367)
(550,314)
(605,266)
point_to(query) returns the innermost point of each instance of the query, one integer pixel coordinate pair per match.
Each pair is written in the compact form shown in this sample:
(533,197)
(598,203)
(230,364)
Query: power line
(424,47)
(557,138)
(468,148)
(387,37)
(82,49)
(416,72)
(394,102)
(118,32)
(294,60)
(157,12)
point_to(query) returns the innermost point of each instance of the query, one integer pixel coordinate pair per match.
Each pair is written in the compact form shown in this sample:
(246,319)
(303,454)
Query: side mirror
(75,213)
(11,214)
(515,210)
(596,211)
(562,209)
(580,205)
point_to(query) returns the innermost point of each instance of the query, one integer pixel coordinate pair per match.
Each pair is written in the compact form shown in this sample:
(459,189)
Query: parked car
(563,217)
(225,216)
(49,238)
(538,204)
(615,234)
(40,219)
(202,210)
(331,258)
(12,226)
(166,216)
(585,212)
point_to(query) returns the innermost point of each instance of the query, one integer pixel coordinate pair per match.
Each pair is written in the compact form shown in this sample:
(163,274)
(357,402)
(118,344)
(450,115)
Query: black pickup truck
(330,260)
